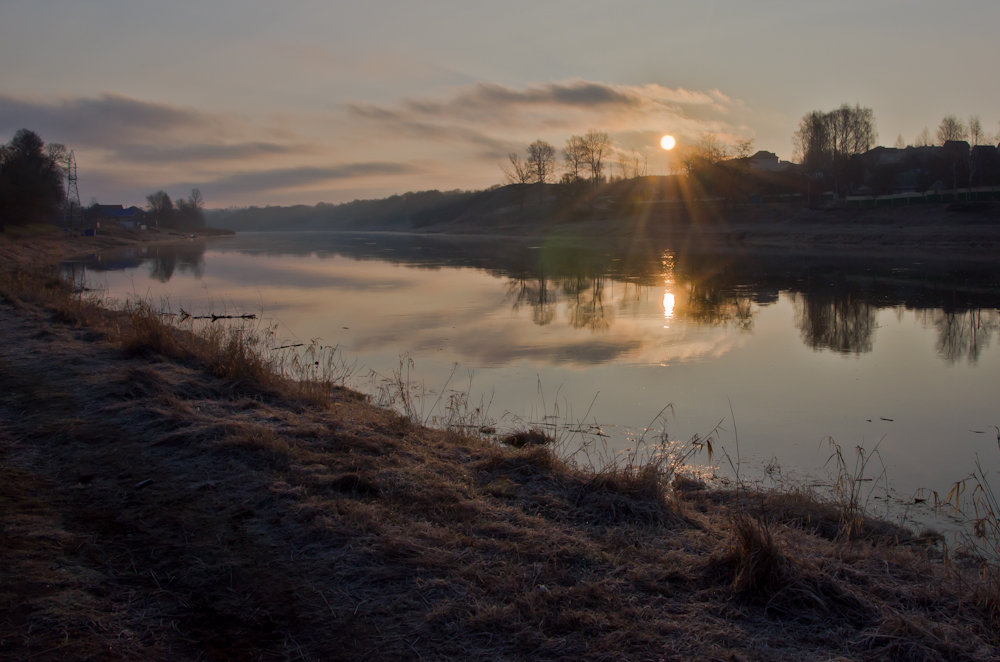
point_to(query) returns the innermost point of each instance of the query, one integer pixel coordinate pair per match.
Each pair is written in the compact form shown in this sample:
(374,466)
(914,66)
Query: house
(768,162)
(131,218)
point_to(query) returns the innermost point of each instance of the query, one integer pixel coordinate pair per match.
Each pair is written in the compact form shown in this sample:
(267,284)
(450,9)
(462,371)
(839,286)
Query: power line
(74,210)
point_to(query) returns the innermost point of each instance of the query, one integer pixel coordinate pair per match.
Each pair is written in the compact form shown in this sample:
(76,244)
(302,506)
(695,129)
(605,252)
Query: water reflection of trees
(165,260)
(534,293)
(709,306)
(836,301)
(588,306)
(841,321)
(962,334)
(585,297)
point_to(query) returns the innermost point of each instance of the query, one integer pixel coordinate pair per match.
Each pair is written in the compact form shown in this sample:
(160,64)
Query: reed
(854,485)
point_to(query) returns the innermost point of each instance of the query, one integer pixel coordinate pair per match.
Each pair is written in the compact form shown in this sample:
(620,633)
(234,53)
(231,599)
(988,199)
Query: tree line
(32,190)
(584,158)
(952,128)
(180,213)
(835,150)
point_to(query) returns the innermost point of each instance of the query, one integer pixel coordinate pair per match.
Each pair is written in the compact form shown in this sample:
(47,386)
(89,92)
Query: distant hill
(516,207)
(710,197)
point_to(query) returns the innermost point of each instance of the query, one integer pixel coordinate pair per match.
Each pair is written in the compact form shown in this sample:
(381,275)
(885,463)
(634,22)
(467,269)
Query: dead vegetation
(166,495)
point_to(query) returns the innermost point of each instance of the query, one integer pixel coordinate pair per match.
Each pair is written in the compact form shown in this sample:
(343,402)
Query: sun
(667,142)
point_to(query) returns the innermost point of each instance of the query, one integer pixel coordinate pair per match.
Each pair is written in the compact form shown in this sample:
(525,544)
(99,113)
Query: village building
(131,218)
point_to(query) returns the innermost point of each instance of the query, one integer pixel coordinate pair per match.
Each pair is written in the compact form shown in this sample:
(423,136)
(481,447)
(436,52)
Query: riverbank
(967,232)
(166,496)
(960,229)
(46,244)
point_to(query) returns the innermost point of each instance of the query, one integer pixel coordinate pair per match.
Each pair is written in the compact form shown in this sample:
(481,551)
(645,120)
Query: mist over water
(783,351)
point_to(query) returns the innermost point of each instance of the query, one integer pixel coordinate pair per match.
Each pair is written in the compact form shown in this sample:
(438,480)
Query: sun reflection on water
(667,263)
(668,306)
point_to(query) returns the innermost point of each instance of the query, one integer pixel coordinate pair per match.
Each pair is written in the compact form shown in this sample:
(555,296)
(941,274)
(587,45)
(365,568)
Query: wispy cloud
(209,152)
(288,178)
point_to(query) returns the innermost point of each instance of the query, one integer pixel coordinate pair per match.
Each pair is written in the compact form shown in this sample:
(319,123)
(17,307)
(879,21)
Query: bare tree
(707,151)
(596,145)
(828,141)
(823,139)
(812,140)
(900,143)
(743,148)
(923,138)
(516,171)
(189,212)
(575,158)
(633,164)
(951,128)
(161,207)
(975,130)
(541,161)
(852,130)
(58,153)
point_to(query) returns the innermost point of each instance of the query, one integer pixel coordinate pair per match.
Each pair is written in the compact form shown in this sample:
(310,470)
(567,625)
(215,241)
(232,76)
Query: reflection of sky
(367,306)
(647,352)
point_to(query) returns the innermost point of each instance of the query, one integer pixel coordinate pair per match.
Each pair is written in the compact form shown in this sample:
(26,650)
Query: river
(773,355)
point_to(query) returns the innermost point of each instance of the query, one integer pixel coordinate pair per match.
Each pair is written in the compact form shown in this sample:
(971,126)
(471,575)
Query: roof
(116,211)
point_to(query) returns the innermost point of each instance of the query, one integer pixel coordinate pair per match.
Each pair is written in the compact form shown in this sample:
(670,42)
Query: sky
(256,102)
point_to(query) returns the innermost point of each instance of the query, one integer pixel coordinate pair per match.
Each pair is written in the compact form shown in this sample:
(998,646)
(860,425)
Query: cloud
(453,139)
(477,115)
(487,100)
(492,98)
(104,121)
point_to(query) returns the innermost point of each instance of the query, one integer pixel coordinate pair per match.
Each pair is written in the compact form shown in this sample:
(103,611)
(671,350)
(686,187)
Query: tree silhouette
(189,212)
(595,146)
(31,180)
(975,130)
(161,208)
(951,128)
(541,161)
(574,158)
(828,141)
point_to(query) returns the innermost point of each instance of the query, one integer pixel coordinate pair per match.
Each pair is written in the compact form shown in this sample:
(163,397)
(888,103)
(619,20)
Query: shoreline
(166,498)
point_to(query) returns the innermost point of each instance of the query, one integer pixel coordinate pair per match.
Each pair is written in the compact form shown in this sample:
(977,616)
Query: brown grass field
(164,495)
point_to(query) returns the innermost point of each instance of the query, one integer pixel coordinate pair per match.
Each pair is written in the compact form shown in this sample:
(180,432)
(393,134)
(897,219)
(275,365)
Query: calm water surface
(794,349)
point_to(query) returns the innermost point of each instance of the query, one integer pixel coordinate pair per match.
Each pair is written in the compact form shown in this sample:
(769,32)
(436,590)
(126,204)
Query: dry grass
(975,499)
(162,496)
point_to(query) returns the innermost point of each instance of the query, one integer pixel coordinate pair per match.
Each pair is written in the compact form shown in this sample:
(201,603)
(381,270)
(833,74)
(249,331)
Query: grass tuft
(761,568)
